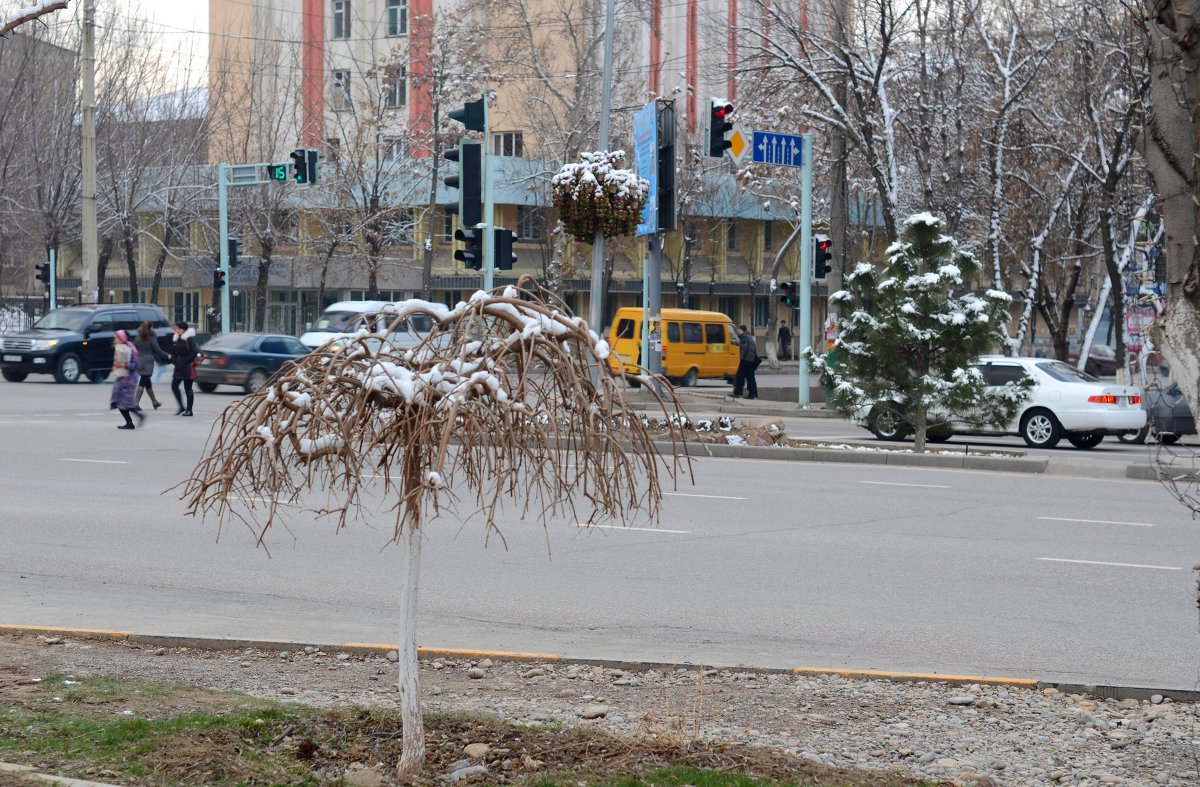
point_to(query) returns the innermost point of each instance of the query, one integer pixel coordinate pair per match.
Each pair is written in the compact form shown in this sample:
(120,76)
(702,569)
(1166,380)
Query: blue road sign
(772,148)
(645,148)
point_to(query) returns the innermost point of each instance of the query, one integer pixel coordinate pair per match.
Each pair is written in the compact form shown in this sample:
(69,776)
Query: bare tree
(509,398)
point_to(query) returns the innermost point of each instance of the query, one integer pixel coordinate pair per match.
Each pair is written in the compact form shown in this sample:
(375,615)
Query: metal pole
(806,269)
(53,278)
(91,257)
(654,302)
(596,302)
(223,228)
(489,208)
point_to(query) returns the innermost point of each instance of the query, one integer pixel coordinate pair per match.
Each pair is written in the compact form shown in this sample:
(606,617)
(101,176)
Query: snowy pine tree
(907,341)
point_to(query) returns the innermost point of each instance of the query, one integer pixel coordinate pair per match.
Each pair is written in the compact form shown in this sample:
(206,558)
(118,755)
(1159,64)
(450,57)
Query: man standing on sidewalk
(747,363)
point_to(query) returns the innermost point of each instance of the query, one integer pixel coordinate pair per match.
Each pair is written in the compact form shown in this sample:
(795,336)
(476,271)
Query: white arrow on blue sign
(770,147)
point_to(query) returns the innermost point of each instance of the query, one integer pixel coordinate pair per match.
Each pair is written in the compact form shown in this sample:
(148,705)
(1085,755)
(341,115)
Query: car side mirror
(88,331)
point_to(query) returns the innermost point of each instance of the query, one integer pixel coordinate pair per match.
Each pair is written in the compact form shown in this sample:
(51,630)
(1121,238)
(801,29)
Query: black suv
(76,341)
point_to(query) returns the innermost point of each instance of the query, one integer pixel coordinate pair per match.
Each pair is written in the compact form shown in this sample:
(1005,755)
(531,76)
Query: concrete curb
(1151,473)
(947,460)
(362,648)
(28,772)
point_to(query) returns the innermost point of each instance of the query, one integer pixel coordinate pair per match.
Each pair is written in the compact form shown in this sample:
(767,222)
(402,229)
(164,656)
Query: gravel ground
(968,734)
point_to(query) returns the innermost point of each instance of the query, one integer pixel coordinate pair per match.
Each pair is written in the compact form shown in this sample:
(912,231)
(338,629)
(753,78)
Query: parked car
(76,341)
(1168,416)
(1101,362)
(1064,402)
(245,359)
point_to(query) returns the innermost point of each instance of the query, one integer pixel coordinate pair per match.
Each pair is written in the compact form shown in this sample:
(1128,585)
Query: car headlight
(42,344)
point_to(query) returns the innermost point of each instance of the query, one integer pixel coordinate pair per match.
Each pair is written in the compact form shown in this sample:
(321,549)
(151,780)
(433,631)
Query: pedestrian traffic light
(300,166)
(43,274)
(235,249)
(790,298)
(473,115)
(502,248)
(720,114)
(471,255)
(469,181)
(278,171)
(821,256)
(218,279)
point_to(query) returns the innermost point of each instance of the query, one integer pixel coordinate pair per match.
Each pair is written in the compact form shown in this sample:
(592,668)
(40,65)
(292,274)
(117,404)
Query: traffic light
(790,298)
(720,114)
(313,157)
(43,272)
(300,166)
(502,248)
(472,115)
(469,181)
(471,255)
(821,256)
(235,248)
(278,171)
(218,279)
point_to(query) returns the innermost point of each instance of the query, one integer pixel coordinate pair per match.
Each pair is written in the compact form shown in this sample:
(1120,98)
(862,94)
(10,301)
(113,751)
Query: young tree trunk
(129,247)
(920,427)
(156,282)
(412,755)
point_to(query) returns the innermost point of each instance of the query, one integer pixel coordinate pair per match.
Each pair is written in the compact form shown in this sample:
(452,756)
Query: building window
(341,89)
(728,306)
(731,237)
(446,225)
(399,230)
(531,223)
(397,17)
(341,18)
(507,143)
(394,149)
(395,87)
(768,235)
(762,311)
(187,307)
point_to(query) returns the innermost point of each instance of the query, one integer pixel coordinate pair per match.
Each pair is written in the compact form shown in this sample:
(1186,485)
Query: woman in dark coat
(184,354)
(149,350)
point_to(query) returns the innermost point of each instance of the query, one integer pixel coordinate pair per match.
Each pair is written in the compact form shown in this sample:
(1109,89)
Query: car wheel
(1137,437)
(886,424)
(1040,429)
(1085,440)
(1168,438)
(256,380)
(13,376)
(207,387)
(69,369)
(690,379)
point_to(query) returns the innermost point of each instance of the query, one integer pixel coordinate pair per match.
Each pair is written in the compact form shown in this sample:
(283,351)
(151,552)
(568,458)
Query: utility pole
(596,302)
(91,259)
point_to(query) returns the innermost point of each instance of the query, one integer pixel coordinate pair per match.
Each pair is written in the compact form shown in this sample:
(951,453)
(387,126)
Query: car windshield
(230,341)
(64,320)
(1065,373)
(421,323)
(335,322)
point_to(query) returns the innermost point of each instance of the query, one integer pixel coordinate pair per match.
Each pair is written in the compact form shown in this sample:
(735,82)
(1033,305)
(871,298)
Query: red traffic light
(719,111)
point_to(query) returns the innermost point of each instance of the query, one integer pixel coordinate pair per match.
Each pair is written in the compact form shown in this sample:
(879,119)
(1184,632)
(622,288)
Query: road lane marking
(1105,563)
(1094,521)
(622,527)
(710,497)
(98,461)
(894,483)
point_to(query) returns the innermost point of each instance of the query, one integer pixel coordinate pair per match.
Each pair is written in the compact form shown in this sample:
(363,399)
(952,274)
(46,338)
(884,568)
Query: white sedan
(1064,402)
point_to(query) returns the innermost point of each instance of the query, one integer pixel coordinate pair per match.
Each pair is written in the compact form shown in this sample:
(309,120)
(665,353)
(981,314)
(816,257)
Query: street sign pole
(489,242)
(53,284)
(806,262)
(223,245)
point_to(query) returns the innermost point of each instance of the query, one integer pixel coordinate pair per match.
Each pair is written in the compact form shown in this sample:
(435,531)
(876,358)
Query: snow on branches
(39,9)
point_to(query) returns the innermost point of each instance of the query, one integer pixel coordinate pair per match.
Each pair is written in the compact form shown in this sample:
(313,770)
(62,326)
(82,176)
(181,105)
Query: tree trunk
(412,755)
(156,282)
(1169,142)
(920,427)
(128,246)
(260,289)
(106,250)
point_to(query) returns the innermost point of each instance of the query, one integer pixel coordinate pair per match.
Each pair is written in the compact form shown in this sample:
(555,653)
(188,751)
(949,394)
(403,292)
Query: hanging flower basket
(598,195)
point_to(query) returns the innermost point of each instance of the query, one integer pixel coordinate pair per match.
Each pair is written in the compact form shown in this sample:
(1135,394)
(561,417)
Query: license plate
(13,358)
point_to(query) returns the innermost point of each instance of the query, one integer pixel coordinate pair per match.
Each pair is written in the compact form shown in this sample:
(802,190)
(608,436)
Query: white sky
(174,22)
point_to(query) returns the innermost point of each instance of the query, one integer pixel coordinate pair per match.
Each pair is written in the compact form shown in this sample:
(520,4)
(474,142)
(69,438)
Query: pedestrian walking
(125,370)
(149,351)
(184,355)
(747,363)
(785,341)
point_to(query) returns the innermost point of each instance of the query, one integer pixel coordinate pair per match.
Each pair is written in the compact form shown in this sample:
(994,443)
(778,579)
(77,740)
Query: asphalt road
(758,563)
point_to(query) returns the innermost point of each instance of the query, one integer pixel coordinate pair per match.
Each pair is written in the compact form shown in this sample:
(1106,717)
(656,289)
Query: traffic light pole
(806,263)
(52,285)
(596,299)
(230,176)
(489,242)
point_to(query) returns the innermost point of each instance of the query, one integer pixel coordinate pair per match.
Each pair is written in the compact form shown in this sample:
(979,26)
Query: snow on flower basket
(598,195)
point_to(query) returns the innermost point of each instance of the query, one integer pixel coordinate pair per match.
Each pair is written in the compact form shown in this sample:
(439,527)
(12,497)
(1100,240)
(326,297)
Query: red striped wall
(312,79)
